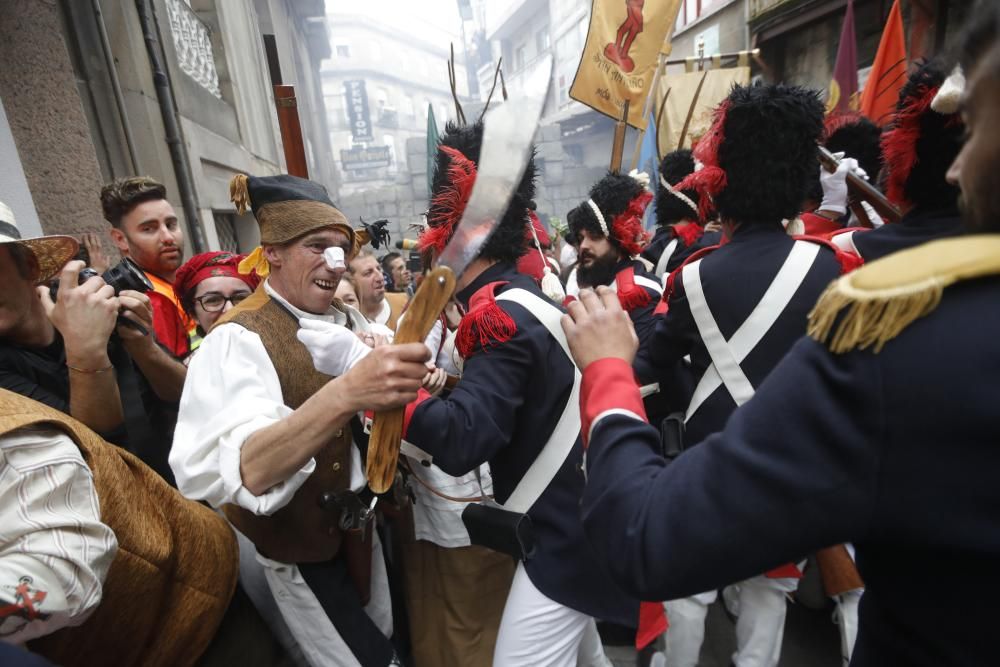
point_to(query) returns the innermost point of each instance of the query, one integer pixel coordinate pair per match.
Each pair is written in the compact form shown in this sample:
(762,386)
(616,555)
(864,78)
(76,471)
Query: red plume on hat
(921,142)
(626,227)
(450,202)
(710,179)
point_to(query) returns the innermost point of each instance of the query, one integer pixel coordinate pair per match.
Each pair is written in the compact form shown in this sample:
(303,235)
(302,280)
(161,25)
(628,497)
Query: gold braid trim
(884,297)
(871,319)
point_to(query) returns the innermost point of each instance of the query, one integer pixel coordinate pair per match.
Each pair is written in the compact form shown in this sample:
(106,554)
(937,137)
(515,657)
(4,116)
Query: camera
(126,275)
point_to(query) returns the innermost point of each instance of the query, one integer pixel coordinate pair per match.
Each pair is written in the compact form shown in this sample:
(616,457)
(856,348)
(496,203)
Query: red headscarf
(208,265)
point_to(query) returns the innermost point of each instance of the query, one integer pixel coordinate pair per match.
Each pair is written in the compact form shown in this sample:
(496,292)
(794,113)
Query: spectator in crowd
(70,355)
(101,562)
(209,284)
(145,228)
(347,291)
(398,274)
(376,304)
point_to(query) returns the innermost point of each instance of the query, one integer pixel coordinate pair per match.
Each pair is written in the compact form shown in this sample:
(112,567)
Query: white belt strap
(668,252)
(545,466)
(727,356)
(641,281)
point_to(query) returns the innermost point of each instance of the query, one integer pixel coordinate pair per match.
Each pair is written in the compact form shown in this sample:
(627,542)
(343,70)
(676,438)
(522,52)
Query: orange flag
(888,74)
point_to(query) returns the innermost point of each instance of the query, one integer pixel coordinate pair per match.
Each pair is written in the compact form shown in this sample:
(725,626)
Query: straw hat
(51,252)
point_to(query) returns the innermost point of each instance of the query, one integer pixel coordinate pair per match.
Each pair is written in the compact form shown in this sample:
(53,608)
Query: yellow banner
(620,56)
(718,83)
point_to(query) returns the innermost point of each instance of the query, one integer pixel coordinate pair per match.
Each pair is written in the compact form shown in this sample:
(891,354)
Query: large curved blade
(507,144)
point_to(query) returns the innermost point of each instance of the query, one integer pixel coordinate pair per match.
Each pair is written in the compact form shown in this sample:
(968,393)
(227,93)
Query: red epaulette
(688,233)
(848,261)
(485,323)
(818,225)
(630,295)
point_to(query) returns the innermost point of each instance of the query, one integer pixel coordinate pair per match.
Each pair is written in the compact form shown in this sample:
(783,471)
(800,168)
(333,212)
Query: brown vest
(176,567)
(301,531)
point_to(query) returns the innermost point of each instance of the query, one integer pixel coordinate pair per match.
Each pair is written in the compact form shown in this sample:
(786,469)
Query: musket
(862,189)
(508,131)
(291,130)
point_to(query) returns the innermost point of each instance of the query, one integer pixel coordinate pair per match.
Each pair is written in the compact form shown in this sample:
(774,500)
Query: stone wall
(47,119)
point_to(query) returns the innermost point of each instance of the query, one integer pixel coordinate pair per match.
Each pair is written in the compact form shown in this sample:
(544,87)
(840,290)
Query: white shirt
(436,519)
(383,313)
(53,546)
(231,392)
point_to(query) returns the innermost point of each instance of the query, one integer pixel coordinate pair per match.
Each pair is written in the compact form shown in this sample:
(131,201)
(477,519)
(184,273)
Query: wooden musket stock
(862,189)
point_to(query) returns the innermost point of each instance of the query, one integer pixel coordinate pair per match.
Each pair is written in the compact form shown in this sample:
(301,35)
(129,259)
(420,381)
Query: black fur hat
(454,176)
(921,144)
(857,137)
(670,209)
(760,153)
(622,201)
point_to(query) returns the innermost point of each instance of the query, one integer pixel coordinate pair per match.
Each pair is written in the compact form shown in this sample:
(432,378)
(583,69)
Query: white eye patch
(334,256)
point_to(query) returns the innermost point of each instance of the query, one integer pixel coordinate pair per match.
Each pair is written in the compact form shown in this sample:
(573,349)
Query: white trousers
(846,618)
(687,628)
(317,639)
(538,632)
(760,624)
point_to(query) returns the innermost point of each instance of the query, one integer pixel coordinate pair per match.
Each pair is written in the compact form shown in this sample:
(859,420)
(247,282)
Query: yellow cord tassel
(848,319)
(239,194)
(255,261)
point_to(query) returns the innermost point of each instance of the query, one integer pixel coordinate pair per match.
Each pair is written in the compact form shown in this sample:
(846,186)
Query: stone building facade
(82,105)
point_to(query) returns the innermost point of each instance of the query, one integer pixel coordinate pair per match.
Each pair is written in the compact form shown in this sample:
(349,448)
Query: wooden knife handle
(387,427)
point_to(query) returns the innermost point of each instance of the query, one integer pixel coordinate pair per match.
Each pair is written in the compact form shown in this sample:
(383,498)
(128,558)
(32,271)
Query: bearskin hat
(759,153)
(454,175)
(621,200)
(857,137)
(921,144)
(670,208)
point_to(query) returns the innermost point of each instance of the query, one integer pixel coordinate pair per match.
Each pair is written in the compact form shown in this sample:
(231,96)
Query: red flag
(888,74)
(844,86)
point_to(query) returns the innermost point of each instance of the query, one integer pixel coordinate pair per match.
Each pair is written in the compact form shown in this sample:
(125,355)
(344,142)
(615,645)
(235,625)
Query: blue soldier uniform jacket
(894,451)
(734,279)
(688,243)
(640,294)
(916,227)
(503,410)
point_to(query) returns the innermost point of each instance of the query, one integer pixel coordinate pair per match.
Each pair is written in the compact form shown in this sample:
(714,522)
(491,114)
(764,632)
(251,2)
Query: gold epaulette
(884,297)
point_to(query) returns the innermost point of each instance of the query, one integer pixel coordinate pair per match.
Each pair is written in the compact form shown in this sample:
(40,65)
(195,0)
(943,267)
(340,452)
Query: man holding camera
(76,352)
(145,229)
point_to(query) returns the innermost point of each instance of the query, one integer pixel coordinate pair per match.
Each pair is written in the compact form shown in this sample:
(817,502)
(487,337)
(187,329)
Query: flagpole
(661,59)
(618,146)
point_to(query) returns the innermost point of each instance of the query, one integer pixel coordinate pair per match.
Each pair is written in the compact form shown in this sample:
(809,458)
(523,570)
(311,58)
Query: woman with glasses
(208,285)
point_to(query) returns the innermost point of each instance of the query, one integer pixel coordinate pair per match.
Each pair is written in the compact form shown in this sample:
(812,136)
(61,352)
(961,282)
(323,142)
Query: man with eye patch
(277,445)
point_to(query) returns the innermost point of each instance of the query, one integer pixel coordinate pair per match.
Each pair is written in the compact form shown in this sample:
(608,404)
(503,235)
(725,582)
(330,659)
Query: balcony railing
(193,43)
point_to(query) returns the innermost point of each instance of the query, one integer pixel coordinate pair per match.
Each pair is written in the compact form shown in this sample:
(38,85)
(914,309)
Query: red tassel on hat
(485,324)
(630,295)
